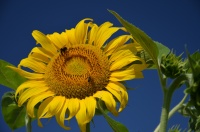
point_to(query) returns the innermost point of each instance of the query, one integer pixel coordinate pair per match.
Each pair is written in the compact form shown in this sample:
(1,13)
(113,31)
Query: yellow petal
(115,43)
(44,107)
(29,84)
(108,99)
(134,71)
(121,54)
(51,107)
(92,33)
(90,103)
(42,110)
(56,104)
(116,93)
(126,47)
(121,90)
(35,99)
(121,62)
(39,57)
(26,74)
(125,54)
(41,51)
(31,92)
(71,36)
(125,75)
(59,40)
(103,27)
(44,41)
(60,116)
(104,33)
(124,101)
(33,65)
(139,67)
(81,30)
(81,116)
(73,106)
(101,38)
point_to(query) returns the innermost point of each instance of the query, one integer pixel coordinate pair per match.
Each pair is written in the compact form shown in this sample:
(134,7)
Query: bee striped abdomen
(62,50)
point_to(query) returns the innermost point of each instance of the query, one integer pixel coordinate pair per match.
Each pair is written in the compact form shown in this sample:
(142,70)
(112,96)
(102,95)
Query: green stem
(162,79)
(88,127)
(28,122)
(167,100)
(165,111)
(177,107)
(173,111)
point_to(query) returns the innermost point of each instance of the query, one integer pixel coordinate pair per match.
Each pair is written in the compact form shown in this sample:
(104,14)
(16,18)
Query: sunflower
(74,69)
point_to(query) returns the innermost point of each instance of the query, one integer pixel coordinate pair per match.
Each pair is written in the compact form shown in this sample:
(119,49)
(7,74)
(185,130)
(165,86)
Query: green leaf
(115,125)
(13,115)
(163,50)
(8,77)
(145,56)
(103,107)
(194,63)
(142,38)
(194,121)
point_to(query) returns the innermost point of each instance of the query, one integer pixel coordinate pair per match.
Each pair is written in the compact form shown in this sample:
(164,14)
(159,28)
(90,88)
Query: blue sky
(173,23)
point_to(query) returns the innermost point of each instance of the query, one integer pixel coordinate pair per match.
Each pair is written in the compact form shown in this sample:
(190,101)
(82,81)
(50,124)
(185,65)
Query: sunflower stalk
(28,122)
(168,92)
(88,127)
(174,110)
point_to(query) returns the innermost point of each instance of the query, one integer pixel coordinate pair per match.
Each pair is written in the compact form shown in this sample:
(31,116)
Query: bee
(89,79)
(62,50)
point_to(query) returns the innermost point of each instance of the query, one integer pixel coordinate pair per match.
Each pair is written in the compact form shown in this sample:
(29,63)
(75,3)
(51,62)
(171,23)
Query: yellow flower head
(71,70)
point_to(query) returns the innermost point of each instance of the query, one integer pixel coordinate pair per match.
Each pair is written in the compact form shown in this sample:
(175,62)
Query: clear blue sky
(173,23)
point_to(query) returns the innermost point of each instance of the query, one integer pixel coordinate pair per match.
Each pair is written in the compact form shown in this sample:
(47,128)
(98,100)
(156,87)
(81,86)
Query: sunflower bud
(171,65)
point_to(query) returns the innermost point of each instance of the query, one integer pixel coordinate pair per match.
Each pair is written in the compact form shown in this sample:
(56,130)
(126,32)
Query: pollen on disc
(78,71)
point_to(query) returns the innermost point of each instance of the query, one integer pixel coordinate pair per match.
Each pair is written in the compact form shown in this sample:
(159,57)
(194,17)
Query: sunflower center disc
(78,71)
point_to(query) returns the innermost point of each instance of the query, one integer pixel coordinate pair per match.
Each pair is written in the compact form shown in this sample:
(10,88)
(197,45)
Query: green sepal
(8,77)
(115,125)
(142,38)
(13,115)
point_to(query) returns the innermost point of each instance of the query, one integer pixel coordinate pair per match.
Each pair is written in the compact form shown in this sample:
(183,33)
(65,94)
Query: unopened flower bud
(171,65)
